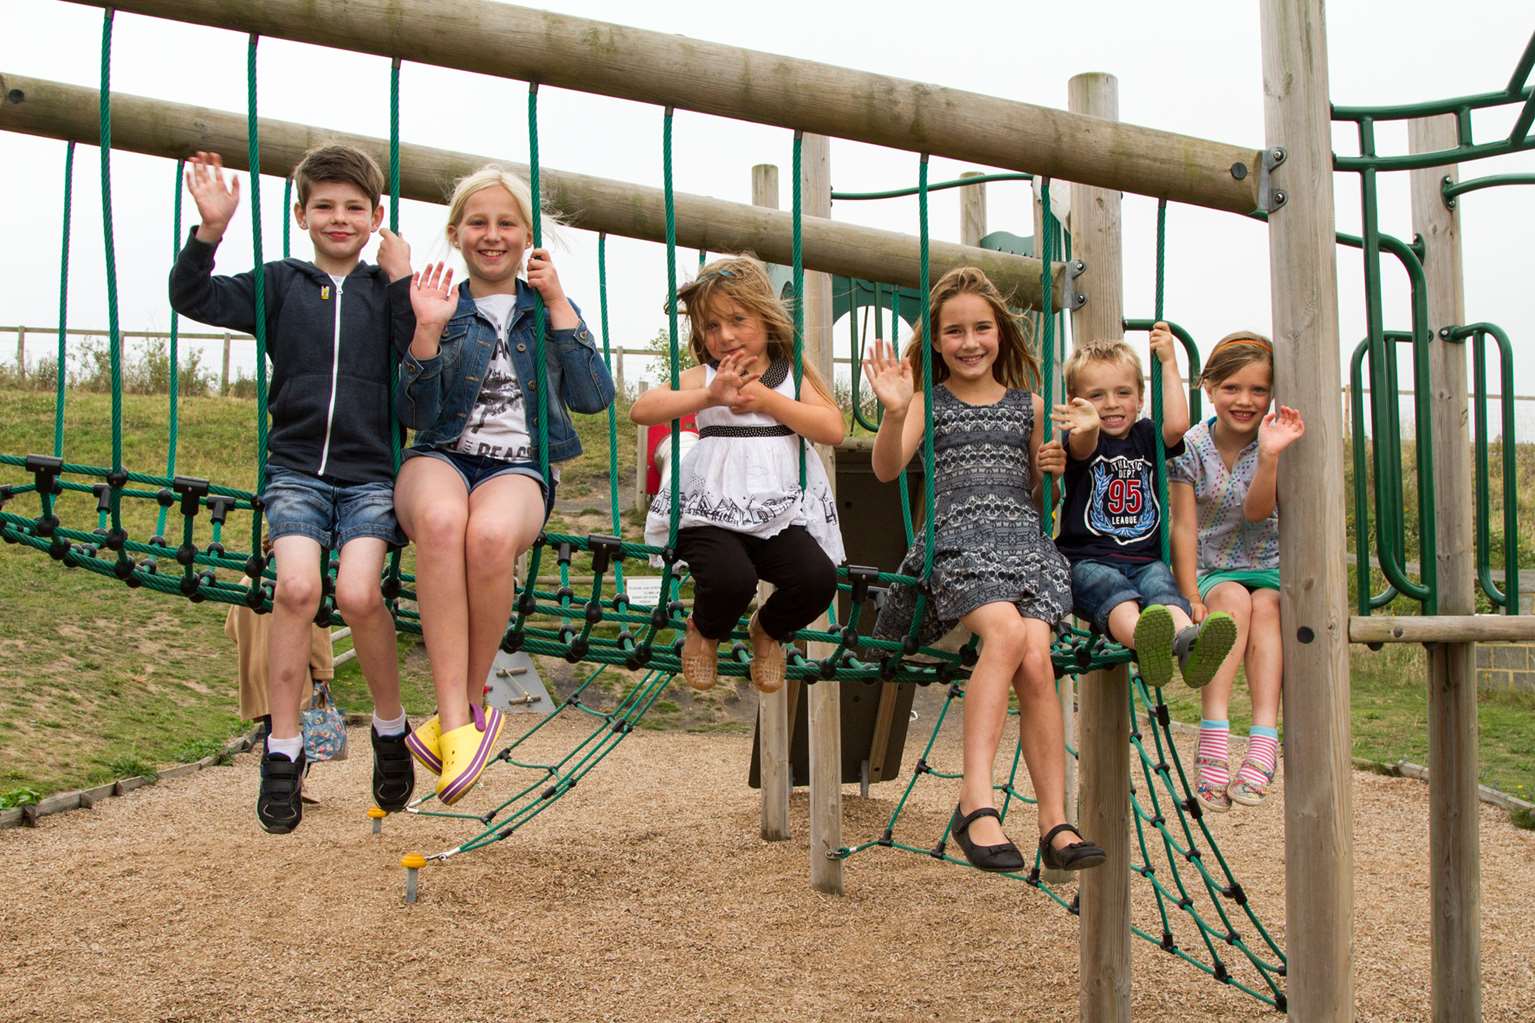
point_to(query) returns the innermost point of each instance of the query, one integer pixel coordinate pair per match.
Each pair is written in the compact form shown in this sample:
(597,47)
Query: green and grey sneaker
(1154,645)
(1207,648)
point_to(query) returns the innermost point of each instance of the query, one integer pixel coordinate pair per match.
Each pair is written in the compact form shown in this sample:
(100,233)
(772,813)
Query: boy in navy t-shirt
(1111,522)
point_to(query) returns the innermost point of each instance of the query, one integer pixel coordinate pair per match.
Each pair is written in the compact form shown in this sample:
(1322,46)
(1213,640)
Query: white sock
(289,748)
(389,726)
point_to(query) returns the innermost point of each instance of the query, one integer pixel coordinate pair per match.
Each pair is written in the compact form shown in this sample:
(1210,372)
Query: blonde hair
(1016,365)
(1113,353)
(490,176)
(1234,352)
(744,281)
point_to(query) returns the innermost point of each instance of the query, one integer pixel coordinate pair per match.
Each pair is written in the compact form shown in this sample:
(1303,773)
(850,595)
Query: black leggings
(726,566)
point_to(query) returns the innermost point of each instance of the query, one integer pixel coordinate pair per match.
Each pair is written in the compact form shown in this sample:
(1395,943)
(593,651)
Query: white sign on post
(643,590)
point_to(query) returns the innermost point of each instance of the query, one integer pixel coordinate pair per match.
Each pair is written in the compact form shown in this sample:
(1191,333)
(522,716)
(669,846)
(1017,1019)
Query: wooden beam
(1104,720)
(689,74)
(175,130)
(825,701)
(1303,272)
(1454,846)
(772,708)
(1442,629)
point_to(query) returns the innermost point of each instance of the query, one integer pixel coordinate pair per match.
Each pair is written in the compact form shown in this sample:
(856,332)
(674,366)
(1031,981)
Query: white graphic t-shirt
(498,426)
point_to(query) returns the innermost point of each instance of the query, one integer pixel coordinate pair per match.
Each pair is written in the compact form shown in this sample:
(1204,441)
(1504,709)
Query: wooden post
(825,710)
(972,211)
(224,373)
(1303,272)
(1104,721)
(772,708)
(618,374)
(21,351)
(1454,850)
(620,208)
(641,469)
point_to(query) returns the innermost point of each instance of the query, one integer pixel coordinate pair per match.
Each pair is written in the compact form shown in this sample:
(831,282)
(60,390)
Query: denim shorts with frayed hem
(477,469)
(332,515)
(1098,587)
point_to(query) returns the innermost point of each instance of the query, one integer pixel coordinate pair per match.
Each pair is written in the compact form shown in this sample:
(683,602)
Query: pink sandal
(1212,797)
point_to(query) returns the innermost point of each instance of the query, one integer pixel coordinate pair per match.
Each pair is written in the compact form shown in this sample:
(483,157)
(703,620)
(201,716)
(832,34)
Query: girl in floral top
(1226,524)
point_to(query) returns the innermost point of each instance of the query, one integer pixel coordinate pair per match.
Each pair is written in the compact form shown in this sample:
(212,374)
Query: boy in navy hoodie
(334,331)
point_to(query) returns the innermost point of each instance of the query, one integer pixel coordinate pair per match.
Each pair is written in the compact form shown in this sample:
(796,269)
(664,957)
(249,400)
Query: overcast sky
(1189,67)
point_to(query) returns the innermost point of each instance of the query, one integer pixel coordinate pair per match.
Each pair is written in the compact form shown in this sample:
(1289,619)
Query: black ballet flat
(1077,856)
(998,859)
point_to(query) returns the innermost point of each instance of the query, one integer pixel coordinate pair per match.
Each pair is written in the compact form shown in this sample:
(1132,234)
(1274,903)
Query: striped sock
(1262,752)
(1215,743)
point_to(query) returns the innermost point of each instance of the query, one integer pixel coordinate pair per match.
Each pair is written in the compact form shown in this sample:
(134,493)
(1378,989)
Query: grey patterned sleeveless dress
(988,544)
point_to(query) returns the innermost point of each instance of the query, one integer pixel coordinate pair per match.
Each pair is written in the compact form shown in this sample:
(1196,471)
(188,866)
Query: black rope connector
(920,767)
(1075,909)
(1164,716)
(658,617)
(563,553)
(564,594)
(124,570)
(968,655)
(1236,894)
(888,666)
(115,539)
(937,851)
(1221,973)
(254,598)
(550,792)
(1167,943)
(1191,807)
(186,555)
(512,641)
(45,471)
(103,498)
(1280,1002)
(390,587)
(219,508)
(909,645)
(577,651)
(117,479)
(254,566)
(157,541)
(164,497)
(46,525)
(323,613)
(527,603)
(192,490)
(593,611)
(860,578)
(605,550)
(189,584)
(887,839)
(622,727)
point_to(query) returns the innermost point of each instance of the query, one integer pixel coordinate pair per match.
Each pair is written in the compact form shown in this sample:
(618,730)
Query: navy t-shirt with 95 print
(1111,511)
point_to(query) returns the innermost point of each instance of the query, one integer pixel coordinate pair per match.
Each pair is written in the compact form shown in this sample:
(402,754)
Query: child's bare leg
(1122,623)
(433,509)
(505,515)
(293,609)
(361,602)
(1215,698)
(1041,730)
(1265,657)
(1003,642)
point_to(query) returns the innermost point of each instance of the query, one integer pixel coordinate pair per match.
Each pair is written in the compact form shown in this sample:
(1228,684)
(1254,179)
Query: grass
(98,682)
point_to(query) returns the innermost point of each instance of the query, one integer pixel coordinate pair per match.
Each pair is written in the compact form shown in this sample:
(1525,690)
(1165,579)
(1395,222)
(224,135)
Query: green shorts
(1252,578)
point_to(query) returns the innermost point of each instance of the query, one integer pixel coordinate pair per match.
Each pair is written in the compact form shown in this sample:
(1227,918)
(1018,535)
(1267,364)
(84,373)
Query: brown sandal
(767,670)
(701,670)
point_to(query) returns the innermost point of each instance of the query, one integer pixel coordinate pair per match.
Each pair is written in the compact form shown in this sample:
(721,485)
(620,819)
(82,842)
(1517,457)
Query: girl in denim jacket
(470,493)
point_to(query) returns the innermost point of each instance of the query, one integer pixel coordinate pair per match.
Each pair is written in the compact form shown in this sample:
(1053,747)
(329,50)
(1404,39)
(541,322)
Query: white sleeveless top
(743,475)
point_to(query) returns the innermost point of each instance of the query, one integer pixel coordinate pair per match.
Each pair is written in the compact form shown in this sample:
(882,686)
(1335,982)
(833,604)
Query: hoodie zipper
(335,369)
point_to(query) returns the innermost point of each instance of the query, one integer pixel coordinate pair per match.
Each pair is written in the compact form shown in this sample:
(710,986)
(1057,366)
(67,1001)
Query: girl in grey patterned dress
(993,570)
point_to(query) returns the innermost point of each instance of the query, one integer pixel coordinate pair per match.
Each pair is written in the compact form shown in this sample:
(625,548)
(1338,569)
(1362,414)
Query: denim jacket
(436,396)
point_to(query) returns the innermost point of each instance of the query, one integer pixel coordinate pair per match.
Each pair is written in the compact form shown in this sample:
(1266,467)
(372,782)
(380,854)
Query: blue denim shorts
(477,469)
(1098,587)
(298,504)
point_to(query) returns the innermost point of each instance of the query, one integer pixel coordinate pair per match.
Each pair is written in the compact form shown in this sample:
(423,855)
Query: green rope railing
(258,287)
(61,369)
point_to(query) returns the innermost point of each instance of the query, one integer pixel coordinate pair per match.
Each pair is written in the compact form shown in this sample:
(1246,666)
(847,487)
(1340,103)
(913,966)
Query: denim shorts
(477,469)
(298,504)
(1098,587)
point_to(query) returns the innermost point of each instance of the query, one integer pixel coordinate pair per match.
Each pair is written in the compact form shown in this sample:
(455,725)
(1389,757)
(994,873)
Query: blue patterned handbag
(324,726)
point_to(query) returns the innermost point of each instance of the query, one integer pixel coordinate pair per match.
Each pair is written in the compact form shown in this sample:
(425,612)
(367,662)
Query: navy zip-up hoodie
(332,351)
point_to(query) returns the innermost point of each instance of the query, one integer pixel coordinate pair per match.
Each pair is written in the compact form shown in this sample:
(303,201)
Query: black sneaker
(279,805)
(394,775)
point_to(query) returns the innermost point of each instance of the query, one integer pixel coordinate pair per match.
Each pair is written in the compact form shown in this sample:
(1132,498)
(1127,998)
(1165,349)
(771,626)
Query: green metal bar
(1508,597)
(900,193)
(1190,351)
(1421,161)
(1365,602)
(1453,189)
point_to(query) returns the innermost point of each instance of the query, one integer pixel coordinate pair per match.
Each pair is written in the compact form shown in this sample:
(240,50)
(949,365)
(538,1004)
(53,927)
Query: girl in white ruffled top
(743,514)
